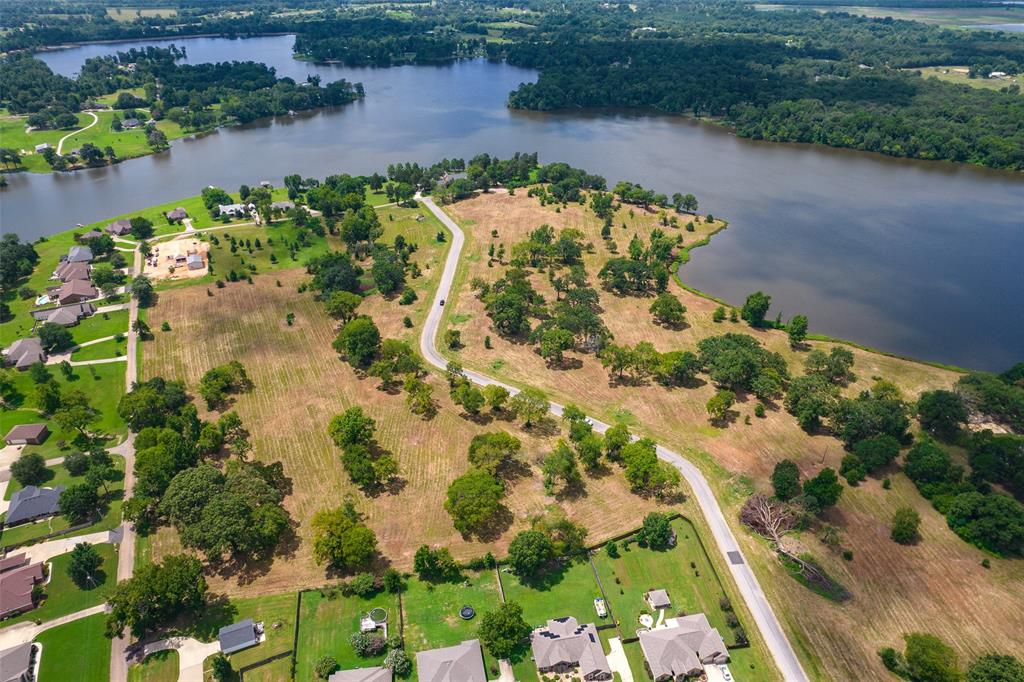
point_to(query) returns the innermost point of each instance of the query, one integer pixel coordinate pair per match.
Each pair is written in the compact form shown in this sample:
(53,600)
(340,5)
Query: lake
(915,258)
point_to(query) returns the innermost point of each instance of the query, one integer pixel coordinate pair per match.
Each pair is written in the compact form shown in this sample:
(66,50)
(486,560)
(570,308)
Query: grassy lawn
(110,519)
(556,595)
(104,349)
(159,667)
(431,609)
(76,651)
(59,475)
(100,326)
(958,75)
(63,596)
(327,623)
(635,656)
(684,571)
(277,612)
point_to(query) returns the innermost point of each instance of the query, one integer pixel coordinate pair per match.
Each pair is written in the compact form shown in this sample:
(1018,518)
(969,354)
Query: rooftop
(237,636)
(460,663)
(32,502)
(31,431)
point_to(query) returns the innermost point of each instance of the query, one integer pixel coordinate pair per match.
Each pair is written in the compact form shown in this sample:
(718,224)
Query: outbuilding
(238,636)
(27,434)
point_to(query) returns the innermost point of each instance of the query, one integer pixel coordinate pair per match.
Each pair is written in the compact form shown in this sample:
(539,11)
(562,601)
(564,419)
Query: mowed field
(937,586)
(300,384)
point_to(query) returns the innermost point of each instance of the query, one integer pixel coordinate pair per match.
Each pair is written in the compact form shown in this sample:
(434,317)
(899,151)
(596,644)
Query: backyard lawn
(159,667)
(276,612)
(112,348)
(432,609)
(64,597)
(684,571)
(99,326)
(76,651)
(327,623)
(556,595)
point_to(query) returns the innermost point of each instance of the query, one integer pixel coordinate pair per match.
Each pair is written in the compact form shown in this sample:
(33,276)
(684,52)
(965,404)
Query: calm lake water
(922,259)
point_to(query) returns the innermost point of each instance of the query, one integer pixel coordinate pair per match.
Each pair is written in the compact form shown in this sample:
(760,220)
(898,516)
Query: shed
(238,636)
(91,234)
(131,123)
(658,599)
(27,434)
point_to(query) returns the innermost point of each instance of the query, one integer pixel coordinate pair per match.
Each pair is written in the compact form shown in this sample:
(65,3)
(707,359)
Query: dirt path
(95,120)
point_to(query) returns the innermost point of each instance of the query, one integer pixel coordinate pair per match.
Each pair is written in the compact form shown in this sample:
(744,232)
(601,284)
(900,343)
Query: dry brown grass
(937,586)
(300,384)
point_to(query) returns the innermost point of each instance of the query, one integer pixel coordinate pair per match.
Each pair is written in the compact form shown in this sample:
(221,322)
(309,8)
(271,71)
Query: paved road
(95,120)
(771,630)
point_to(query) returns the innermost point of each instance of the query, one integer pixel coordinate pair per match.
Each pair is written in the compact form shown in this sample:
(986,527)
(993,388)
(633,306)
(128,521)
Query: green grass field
(431,609)
(159,667)
(684,571)
(327,623)
(63,596)
(958,75)
(100,326)
(76,651)
(556,595)
(104,349)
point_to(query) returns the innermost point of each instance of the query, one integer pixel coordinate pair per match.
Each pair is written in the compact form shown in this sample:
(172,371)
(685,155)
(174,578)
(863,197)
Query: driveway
(617,660)
(746,581)
(26,631)
(191,655)
(45,551)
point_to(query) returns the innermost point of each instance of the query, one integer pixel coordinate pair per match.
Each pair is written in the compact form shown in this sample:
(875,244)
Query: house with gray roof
(119,228)
(376,674)
(658,599)
(460,663)
(234,210)
(177,214)
(76,291)
(27,434)
(66,316)
(16,663)
(68,271)
(283,205)
(131,123)
(24,353)
(238,636)
(195,261)
(32,502)
(564,645)
(41,147)
(79,254)
(683,648)
(16,589)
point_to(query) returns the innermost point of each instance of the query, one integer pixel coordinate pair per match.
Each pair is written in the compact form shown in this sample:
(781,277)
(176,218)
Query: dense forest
(381,41)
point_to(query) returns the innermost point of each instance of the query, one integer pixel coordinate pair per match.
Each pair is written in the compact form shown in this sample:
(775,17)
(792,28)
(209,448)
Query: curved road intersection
(785,658)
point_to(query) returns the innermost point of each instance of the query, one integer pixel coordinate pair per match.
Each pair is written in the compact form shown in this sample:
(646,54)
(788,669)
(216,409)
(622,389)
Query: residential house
(130,123)
(119,228)
(658,599)
(564,645)
(681,649)
(76,291)
(16,589)
(377,674)
(282,205)
(460,663)
(27,434)
(16,663)
(24,353)
(177,214)
(91,234)
(31,503)
(79,254)
(65,316)
(13,561)
(238,636)
(68,271)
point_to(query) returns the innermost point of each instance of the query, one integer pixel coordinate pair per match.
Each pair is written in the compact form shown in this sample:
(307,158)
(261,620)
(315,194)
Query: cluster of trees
(17,260)
(382,41)
(926,658)
(341,540)
(813,494)
(646,268)
(156,595)
(70,408)
(636,363)
(999,396)
(367,464)
(551,540)
(218,383)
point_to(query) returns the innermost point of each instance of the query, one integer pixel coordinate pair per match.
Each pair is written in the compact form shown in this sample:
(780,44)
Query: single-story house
(119,228)
(66,316)
(24,353)
(91,234)
(282,205)
(377,674)
(68,271)
(17,662)
(238,636)
(563,645)
(658,599)
(681,649)
(195,261)
(76,291)
(27,434)
(79,254)
(177,214)
(460,663)
(13,561)
(131,123)
(235,210)
(31,503)
(16,589)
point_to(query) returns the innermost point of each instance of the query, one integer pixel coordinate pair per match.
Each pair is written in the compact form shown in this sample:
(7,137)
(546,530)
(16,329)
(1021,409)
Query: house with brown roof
(91,234)
(119,228)
(564,645)
(68,271)
(683,648)
(76,291)
(27,434)
(24,353)
(16,589)
(460,663)
(177,214)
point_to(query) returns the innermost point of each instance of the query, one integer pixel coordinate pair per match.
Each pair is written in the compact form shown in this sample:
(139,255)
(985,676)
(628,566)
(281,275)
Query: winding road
(95,120)
(785,658)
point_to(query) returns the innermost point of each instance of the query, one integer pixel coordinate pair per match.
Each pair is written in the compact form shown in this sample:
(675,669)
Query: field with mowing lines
(896,589)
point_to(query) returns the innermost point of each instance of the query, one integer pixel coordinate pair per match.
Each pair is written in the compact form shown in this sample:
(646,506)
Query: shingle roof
(15,663)
(91,234)
(659,599)
(120,227)
(79,254)
(24,353)
(564,641)
(461,663)
(377,674)
(68,270)
(681,649)
(77,287)
(237,636)
(31,431)
(177,214)
(16,588)
(12,561)
(31,503)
